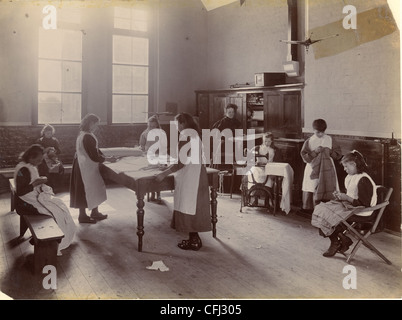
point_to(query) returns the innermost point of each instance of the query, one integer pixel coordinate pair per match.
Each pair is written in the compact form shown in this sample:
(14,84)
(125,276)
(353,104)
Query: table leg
(214,218)
(140,219)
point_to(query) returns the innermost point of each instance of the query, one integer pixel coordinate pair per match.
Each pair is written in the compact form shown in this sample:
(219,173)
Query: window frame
(151,62)
(62,25)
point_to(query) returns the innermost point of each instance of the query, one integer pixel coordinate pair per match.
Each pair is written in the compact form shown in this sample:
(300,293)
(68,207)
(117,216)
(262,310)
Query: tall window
(59,76)
(130,66)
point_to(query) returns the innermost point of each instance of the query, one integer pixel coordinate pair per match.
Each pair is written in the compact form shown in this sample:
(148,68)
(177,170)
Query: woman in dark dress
(87,188)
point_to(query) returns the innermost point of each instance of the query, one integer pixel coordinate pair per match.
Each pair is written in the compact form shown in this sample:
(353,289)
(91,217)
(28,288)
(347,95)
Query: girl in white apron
(87,188)
(360,192)
(191,194)
(35,197)
(312,148)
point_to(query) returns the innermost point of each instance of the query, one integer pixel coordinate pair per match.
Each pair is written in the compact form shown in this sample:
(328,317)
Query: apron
(351,182)
(186,183)
(310,185)
(95,190)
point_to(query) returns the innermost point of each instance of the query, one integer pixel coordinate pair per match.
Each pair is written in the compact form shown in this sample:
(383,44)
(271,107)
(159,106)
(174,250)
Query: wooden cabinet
(211,106)
(276,109)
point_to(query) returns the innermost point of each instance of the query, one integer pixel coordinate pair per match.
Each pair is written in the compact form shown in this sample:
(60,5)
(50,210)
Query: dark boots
(193,243)
(346,242)
(334,247)
(339,243)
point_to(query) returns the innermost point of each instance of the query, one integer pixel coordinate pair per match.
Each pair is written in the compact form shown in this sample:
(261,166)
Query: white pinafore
(95,190)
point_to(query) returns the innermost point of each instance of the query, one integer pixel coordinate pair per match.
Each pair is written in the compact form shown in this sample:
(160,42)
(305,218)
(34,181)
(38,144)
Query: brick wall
(15,139)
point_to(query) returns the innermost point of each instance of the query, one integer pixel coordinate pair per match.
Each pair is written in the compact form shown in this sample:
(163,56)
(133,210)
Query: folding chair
(361,227)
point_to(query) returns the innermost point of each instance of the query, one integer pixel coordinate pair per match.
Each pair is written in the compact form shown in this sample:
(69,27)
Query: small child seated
(52,161)
(53,167)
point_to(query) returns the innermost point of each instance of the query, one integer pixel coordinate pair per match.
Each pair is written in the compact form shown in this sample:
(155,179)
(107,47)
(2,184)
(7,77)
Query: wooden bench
(46,236)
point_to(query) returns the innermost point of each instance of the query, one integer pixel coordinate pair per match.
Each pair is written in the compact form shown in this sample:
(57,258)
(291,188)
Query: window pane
(140,108)
(120,12)
(140,51)
(139,20)
(71,76)
(121,23)
(71,108)
(122,77)
(122,47)
(140,79)
(50,43)
(49,107)
(49,75)
(72,45)
(121,109)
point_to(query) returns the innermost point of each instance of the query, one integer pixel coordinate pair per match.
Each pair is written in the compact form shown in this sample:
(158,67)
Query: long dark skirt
(201,221)
(77,189)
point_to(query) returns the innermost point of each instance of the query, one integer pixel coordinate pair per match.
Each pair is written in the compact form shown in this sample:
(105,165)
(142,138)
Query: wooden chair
(362,227)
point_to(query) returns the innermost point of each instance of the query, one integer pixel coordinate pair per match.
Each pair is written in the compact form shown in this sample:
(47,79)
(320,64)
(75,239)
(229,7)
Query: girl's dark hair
(47,127)
(231,106)
(188,121)
(87,120)
(356,157)
(320,125)
(154,119)
(32,152)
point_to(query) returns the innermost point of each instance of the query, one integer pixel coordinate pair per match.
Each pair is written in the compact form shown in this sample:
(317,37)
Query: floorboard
(255,255)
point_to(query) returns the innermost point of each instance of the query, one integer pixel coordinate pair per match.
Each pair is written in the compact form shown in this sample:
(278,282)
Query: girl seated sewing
(360,192)
(264,153)
(35,197)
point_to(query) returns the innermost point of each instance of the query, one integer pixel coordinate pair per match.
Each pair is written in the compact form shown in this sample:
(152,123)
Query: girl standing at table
(191,194)
(87,188)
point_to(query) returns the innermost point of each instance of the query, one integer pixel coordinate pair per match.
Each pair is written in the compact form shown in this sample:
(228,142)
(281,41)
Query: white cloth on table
(284,170)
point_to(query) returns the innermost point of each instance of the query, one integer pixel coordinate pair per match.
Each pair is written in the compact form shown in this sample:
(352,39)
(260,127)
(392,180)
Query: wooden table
(136,174)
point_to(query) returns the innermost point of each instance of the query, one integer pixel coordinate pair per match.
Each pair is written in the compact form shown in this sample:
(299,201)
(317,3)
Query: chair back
(383,196)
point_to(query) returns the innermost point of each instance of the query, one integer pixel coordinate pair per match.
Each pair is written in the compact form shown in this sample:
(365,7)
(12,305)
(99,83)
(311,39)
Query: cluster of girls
(191,214)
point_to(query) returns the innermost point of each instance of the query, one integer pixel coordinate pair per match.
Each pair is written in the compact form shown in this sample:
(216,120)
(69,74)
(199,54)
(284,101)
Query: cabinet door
(274,113)
(283,113)
(217,108)
(291,123)
(203,109)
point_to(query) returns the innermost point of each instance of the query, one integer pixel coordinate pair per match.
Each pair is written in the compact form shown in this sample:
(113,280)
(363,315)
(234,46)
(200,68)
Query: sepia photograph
(200,154)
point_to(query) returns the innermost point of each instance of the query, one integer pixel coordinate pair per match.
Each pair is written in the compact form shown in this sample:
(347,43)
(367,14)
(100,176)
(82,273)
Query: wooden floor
(255,256)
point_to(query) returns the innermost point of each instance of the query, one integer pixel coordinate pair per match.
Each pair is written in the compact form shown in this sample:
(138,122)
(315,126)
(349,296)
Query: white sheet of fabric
(351,182)
(43,199)
(286,171)
(186,183)
(95,190)
(310,185)
(121,152)
(259,176)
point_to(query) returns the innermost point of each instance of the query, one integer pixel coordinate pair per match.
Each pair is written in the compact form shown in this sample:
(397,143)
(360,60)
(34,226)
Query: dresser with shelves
(277,109)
